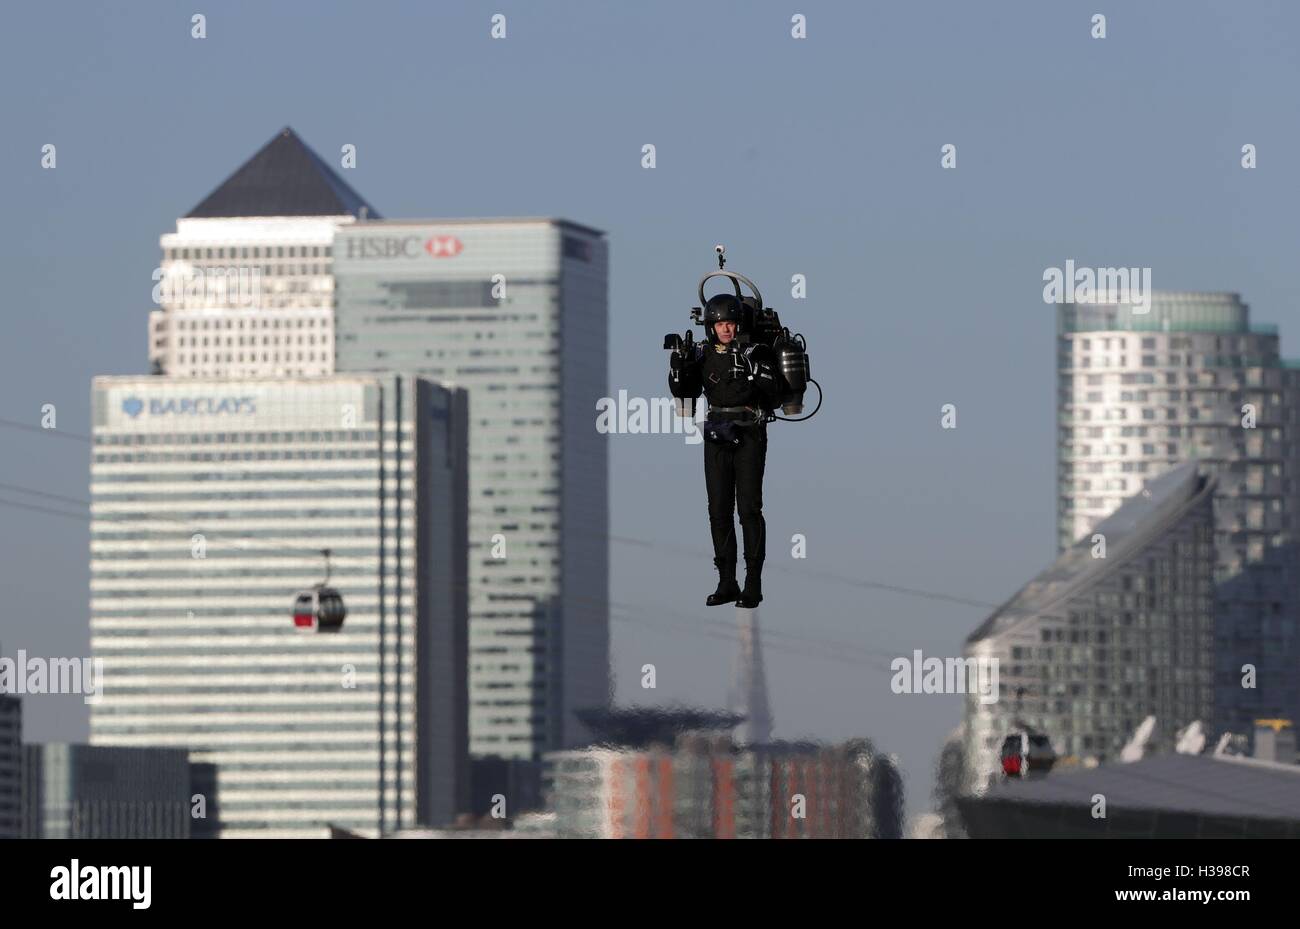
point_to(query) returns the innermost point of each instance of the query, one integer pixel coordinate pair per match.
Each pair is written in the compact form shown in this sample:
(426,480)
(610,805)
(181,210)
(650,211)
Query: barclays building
(212,501)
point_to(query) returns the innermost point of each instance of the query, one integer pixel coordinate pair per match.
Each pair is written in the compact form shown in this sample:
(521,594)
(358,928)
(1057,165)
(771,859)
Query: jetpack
(759,330)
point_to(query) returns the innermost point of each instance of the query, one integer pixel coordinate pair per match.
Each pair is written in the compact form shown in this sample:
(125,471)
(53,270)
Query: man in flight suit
(742,385)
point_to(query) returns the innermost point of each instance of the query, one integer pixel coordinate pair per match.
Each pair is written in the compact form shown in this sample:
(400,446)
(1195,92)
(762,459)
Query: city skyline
(924,284)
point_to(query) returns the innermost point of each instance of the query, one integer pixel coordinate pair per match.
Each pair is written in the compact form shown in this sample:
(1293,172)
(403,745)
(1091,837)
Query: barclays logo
(190,406)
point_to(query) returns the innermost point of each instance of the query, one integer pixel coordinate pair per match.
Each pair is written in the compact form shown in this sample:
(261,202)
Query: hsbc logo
(411,246)
(443,246)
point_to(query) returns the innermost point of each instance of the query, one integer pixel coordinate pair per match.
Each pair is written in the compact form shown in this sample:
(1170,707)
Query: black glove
(685,375)
(680,361)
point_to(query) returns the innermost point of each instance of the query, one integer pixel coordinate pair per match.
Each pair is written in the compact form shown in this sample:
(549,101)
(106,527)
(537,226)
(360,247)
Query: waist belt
(757,413)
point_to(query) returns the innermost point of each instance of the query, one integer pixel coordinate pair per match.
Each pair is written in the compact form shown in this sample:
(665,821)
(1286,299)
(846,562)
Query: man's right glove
(679,361)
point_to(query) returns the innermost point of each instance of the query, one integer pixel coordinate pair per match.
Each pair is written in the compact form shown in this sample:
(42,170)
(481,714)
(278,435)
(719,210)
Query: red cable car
(1027,753)
(321,608)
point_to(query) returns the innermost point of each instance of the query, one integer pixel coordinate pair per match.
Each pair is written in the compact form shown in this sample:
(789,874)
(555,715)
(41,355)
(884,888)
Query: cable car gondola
(1027,753)
(320,609)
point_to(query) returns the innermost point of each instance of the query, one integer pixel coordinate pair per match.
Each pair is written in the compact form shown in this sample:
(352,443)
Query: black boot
(752,595)
(728,590)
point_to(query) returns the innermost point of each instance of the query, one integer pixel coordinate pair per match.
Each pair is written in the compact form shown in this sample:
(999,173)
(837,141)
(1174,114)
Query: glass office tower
(514,311)
(94,792)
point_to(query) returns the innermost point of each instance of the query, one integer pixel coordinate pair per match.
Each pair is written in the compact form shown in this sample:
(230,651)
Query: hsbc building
(516,312)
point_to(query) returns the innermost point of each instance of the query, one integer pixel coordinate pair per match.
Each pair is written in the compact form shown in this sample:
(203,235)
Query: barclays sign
(190,406)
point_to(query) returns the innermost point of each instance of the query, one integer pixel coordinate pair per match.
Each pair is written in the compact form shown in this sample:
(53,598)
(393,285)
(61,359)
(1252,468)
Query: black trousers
(733,476)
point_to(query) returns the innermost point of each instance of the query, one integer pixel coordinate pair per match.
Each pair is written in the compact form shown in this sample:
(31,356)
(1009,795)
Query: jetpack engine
(758,326)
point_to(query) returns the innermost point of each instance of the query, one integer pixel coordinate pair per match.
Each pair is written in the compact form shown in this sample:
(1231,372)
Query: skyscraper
(1193,379)
(89,792)
(246,288)
(1107,635)
(11,770)
(514,311)
(212,500)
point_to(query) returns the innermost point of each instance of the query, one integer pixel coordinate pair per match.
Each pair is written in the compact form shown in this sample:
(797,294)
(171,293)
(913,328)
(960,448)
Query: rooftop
(1164,311)
(1229,786)
(284,178)
(1139,519)
(642,726)
(479,220)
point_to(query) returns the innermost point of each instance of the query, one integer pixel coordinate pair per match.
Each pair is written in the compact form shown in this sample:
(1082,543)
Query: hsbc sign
(410,246)
(443,246)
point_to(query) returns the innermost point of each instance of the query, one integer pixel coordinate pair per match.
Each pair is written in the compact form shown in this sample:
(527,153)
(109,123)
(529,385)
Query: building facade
(706,787)
(90,792)
(1193,379)
(246,285)
(11,766)
(1119,628)
(212,501)
(515,312)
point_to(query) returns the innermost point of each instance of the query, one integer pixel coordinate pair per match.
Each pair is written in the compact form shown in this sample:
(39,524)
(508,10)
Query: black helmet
(722,308)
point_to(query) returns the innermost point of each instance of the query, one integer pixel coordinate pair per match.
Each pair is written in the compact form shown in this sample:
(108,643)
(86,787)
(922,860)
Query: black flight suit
(733,475)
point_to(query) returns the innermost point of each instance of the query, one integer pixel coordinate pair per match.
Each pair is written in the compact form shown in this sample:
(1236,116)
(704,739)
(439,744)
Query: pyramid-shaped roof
(285,178)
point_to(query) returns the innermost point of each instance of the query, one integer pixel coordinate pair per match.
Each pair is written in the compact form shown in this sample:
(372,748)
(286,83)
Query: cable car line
(625,540)
(60,433)
(824,575)
(647,610)
(663,546)
(270,547)
(43,509)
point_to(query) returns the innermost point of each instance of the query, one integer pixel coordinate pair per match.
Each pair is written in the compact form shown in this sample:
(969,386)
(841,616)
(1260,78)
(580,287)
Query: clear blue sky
(818,157)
